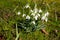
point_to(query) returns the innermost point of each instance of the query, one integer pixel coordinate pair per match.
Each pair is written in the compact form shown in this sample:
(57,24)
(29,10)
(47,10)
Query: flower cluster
(34,14)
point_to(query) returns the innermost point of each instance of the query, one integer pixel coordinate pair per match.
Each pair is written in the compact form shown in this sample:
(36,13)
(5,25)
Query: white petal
(35,10)
(40,11)
(27,17)
(33,22)
(46,19)
(36,17)
(38,14)
(33,14)
(27,6)
(43,18)
(31,10)
(47,13)
(23,15)
(18,13)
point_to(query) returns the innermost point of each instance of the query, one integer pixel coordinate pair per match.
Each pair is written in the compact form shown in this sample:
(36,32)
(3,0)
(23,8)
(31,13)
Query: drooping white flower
(18,13)
(23,15)
(47,13)
(43,18)
(33,22)
(27,6)
(36,17)
(31,10)
(38,14)
(27,17)
(35,10)
(40,11)
(33,14)
(46,19)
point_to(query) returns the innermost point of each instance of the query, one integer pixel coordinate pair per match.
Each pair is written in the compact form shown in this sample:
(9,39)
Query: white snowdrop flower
(36,17)
(40,11)
(43,18)
(27,17)
(46,19)
(31,10)
(33,14)
(38,14)
(18,13)
(35,10)
(47,13)
(23,15)
(33,22)
(27,6)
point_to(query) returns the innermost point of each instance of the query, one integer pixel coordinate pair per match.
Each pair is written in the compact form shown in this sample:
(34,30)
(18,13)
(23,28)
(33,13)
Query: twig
(44,31)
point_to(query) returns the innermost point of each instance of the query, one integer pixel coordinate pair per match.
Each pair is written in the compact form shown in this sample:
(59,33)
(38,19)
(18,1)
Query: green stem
(17,34)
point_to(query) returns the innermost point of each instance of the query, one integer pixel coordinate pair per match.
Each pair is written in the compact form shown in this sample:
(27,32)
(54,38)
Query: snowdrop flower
(47,13)
(40,11)
(23,15)
(31,10)
(35,10)
(36,17)
(18,13)
(27,6)
(46,19)
(33,14)
(38,14)
(27,17)
(33,22)
(43,18)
